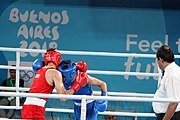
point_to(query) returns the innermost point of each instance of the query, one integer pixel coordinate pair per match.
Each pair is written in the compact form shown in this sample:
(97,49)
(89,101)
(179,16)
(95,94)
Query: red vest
(40,84)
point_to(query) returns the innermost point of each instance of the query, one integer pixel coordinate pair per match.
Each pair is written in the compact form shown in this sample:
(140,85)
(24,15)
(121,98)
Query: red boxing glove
(82,66)
(81,80)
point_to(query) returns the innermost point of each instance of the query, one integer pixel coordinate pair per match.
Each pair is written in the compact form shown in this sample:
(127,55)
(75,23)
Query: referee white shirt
(169,87)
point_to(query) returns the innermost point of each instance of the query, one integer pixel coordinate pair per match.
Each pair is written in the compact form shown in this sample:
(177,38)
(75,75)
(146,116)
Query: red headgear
(52,56)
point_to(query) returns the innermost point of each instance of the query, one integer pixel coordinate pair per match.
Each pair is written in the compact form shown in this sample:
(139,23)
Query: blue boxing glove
(37,64)
(101,105)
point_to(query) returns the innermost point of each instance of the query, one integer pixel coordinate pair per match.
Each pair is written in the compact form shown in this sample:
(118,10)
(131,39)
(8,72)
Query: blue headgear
(68,70)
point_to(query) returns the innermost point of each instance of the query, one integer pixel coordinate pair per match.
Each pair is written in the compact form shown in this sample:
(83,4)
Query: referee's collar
(169,67)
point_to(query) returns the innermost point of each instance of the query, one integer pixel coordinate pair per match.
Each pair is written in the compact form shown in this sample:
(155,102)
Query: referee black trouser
(176,116)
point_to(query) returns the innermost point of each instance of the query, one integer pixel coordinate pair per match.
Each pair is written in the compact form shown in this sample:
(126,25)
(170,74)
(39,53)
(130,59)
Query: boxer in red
(47,78)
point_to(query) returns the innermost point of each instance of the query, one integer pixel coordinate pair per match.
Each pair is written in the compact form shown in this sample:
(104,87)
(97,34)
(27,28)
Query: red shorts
(33,112)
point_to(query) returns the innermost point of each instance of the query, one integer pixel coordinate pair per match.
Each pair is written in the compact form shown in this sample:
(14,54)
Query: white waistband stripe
(35,101)
(79,104)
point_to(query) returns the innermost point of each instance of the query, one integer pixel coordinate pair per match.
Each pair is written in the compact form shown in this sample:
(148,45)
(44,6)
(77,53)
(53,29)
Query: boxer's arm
(97,82)
(54,78)
(81,79)
(100,105)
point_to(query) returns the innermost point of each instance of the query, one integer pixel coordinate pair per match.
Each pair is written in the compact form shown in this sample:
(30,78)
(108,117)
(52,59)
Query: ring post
(83,108)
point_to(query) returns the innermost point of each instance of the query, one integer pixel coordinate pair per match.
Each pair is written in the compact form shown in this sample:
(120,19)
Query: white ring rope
(92,71)
(94,92)
(101,113)
(85,53)
(115,95)
(110,98)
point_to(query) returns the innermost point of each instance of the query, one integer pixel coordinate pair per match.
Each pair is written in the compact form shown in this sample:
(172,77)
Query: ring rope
(94,92)
(111,98)
(93,71)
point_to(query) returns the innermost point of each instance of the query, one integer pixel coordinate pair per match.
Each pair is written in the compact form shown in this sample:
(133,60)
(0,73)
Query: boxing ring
(112,96)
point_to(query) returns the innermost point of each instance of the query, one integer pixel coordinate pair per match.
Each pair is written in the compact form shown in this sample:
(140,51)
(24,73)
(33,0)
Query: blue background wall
(138,26)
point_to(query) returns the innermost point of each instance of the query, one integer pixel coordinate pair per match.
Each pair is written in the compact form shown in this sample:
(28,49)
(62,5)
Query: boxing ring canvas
(106,37)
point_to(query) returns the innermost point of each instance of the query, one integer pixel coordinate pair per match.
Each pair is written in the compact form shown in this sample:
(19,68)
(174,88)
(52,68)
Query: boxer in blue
(75,73)
(75,76)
